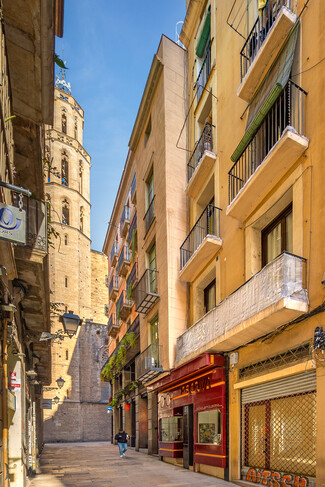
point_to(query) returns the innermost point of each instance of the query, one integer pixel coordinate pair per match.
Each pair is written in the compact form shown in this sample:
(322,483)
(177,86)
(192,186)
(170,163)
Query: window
(66,282)
(64,169)
(68,393)
(210,296)
(80,175)
(149,187)
(65,239)
(278,236)
(152,264)
(67,354)
(154,340)
(209,427)
(171,429)
(81,226)
(66,309)
(75,128)
(64,123)
(147,131)
(65,212)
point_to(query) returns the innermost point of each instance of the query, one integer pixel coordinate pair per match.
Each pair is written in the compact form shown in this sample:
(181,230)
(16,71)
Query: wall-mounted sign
(12,224)
(46,403)
(14,382)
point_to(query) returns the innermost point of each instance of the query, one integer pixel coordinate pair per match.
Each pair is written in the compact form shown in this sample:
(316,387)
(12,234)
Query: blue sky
(109,49)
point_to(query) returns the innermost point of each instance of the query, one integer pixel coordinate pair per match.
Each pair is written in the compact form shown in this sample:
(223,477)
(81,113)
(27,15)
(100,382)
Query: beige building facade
(151,194)
(77,282)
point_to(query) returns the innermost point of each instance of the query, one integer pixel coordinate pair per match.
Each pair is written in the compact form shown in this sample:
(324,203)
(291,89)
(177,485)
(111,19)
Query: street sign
(12,224)
(109,409)
(46,403)
(14,382)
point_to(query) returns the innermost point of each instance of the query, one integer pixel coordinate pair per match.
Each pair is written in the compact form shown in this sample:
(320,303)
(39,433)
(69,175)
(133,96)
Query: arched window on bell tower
(75,127)
(80,176)
(81,219)
(65,169)
(65,212)
(64,123)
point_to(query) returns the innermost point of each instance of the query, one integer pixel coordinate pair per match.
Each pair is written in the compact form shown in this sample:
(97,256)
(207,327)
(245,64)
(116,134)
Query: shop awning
(272,86)
(204,35)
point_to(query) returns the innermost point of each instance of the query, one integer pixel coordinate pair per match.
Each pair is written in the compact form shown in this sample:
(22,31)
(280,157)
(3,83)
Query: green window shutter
(204,35)
(271,88)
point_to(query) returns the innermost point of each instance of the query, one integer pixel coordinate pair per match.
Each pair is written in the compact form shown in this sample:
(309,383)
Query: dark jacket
(121,437)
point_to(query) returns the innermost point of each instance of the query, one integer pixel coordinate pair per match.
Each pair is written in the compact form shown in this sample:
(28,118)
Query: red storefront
(192,412)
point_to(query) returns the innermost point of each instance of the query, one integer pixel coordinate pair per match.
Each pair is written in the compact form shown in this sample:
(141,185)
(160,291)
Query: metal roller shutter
(281,387)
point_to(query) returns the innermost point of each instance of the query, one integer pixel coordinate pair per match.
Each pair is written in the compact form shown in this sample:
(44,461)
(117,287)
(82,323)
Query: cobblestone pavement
(99,465)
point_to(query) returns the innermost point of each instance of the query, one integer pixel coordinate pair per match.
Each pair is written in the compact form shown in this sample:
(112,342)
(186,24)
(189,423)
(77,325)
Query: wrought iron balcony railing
(150,214)
(132,228)
(113,287)
(123,306)
(259,32)
(113,326)
(287,111)
(147,364)
(204,143)
(146,291)
(133,189)
(123,261)
(204,73)
(114,253)
(125,220)
(207,224)
(132,277)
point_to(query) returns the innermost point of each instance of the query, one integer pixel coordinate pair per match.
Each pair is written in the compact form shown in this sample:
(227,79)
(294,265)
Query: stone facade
(77,283)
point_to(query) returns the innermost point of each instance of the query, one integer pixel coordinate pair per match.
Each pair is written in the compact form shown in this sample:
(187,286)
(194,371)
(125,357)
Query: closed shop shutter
(287,386)
(279,427)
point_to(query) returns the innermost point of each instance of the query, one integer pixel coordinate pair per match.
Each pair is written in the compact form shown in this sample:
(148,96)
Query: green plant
(129,291)
(10,118)
(118,313)
(59,62)
(117,362)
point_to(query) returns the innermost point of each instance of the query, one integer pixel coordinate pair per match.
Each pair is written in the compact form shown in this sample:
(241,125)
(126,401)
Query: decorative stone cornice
(192,14)
(70,141)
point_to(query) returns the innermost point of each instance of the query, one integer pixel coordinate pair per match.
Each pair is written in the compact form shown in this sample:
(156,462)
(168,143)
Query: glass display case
(171,429)
(209,427)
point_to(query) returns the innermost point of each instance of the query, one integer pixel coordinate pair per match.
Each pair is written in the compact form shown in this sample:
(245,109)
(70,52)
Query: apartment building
(244,399)
(148,224)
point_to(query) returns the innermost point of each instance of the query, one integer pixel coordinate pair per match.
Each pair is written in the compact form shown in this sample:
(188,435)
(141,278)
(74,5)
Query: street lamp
(70,323)
(56,399)
(60,382)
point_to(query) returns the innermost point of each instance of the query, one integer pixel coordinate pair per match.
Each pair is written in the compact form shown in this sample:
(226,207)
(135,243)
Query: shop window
(209,427)
(278,236)
(210,296)
(171,429)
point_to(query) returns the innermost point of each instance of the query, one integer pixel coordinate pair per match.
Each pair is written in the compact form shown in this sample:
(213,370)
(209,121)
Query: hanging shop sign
(14,382)
(12,224)
(46,403)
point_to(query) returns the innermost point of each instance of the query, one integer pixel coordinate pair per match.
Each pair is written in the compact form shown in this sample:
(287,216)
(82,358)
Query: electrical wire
(308,69)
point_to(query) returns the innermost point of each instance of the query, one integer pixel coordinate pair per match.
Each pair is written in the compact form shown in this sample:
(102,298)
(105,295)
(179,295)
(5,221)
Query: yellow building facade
(253,256)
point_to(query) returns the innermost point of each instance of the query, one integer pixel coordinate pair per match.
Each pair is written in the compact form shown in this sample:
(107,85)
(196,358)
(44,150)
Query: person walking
(121,438)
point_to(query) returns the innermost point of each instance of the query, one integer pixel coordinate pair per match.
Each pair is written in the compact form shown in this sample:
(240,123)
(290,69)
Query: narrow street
(99,465)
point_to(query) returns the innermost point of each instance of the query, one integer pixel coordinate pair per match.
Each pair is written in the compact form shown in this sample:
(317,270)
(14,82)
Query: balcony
(133,190)
(201,162)
(146,291)
(125,221)
(150,215)
(263,44)
(274,296)
(113,326)
(123,264)
(123,306)
(147,364)
(135,326)
(133,229)
(275,147)
(132,277)
(203,74)
(114,254)
(113,287)
(201,245)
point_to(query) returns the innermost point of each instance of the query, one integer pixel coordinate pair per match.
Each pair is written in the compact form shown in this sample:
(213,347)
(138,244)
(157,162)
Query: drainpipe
(5,401)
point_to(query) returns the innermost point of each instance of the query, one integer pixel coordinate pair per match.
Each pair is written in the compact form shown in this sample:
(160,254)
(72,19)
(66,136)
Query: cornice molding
(192,14)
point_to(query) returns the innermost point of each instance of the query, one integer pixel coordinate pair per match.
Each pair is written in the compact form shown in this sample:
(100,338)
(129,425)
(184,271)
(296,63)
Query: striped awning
(273,84)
